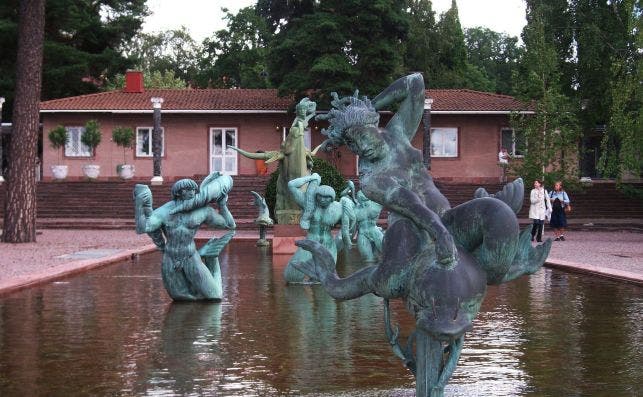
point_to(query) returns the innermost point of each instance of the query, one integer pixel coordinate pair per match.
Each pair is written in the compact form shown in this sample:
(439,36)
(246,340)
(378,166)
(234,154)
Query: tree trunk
(20,201)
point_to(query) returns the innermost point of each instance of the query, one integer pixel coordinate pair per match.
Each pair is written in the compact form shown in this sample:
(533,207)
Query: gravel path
(614,250)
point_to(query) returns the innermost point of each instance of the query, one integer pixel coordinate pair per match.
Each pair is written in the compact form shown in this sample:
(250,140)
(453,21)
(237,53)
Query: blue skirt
(558,218)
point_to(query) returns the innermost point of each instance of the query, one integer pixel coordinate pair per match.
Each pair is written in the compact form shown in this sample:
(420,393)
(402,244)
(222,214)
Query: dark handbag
(568,208)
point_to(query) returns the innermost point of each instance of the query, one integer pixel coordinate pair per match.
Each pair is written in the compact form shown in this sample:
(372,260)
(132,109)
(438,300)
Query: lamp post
(1,147)
(157,144)
(426,122)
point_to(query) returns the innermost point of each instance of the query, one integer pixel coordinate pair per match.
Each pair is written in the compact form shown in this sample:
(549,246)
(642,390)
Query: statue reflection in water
(438,259)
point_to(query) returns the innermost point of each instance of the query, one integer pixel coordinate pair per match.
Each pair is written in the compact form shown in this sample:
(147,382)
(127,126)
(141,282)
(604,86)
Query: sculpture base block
(1,180)
(283,242)
(157,180)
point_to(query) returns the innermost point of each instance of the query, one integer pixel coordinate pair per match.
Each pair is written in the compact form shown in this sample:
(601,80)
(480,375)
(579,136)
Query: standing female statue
(294,161)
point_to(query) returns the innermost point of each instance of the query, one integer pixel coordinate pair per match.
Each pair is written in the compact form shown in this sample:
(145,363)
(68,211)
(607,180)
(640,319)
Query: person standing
(560,203)
(538,210)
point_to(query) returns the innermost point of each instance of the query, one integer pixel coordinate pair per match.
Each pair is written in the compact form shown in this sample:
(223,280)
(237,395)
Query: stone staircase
(107,205)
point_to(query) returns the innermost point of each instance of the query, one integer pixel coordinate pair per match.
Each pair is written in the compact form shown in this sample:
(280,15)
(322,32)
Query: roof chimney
(133,82)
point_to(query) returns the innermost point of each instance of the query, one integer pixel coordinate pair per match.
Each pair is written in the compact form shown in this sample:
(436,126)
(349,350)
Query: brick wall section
(187,144)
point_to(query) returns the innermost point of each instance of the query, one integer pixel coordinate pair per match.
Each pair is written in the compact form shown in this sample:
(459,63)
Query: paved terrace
(60,253)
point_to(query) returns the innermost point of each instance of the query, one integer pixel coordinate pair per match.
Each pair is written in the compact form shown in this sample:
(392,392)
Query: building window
(144,141)
(444,142)
(514,142)
(74,147)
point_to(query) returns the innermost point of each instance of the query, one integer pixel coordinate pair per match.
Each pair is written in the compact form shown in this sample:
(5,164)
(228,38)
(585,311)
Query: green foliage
(172,51)
(552,133)
(81,42)
(91,137)
(339,46)
(329,176)
(494,55)
(123,137)
(235,57)
(155,79)
(623,139)
(58,137)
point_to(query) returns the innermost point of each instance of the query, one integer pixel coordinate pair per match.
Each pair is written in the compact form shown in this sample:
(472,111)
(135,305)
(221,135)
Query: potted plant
(58,138)
(124,137)
(91,138)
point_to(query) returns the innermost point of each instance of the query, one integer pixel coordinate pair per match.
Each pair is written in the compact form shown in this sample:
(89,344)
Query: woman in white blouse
(539,209)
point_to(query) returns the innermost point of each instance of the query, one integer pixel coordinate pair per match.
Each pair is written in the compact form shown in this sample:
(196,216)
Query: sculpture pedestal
(283,241)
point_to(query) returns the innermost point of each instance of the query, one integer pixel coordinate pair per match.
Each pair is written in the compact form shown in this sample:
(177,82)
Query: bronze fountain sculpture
(437,259)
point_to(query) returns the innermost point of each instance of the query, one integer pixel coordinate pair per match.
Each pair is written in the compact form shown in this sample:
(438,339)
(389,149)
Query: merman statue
(173,226)
(437,259)
(295,161)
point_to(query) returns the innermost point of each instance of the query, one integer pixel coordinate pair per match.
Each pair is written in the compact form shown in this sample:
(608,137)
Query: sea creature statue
(263,220)
(438,259)
(294,159)
(173,226)
(325,214)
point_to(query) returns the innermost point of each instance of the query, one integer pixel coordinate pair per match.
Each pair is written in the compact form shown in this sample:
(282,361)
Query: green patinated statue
(173,226)
(438,259)
(325,214)
(263,219)
(360,217)
(294,159)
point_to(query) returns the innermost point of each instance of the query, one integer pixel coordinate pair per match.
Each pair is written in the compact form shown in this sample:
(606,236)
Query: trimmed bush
(58,137)
(92,136)
(123,137)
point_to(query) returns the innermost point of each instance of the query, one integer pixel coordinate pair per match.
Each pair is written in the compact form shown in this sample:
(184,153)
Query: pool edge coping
(74,267)
(613,274)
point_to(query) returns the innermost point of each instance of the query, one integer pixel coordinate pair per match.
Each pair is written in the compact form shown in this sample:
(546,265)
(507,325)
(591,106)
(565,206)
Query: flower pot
(91,171)
(59,171)
(125,171)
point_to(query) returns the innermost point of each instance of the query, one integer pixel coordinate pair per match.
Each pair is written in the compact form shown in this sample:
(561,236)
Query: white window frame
(308,137)
(225,152)
(512,149)
(139,153)
(83,150)
(434,141)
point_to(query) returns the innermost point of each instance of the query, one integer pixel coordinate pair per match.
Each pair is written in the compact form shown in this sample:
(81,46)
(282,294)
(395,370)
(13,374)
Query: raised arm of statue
(295,184)
(213,187)
(408,91)
(147,221)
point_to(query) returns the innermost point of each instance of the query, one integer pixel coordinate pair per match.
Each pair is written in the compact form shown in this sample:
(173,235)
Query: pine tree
(20,201)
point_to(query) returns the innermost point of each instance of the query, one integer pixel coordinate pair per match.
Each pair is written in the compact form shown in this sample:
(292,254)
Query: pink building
(467,130)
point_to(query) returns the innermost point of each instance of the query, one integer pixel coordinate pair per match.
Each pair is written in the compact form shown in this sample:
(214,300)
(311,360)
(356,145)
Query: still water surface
(114,331)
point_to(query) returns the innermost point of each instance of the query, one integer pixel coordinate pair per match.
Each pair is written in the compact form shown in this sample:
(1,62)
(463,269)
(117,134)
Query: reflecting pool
(114,331)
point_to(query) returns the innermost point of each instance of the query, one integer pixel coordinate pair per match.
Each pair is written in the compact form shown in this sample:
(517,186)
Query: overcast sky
(203,17)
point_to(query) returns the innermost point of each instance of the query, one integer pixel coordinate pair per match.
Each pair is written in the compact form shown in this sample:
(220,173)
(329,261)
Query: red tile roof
(444,100)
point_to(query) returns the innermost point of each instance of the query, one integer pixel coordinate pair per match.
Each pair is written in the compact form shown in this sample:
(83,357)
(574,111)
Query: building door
(222,158)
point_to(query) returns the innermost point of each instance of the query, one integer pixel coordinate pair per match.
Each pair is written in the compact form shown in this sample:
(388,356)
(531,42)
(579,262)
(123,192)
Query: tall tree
(551,134)
(495,54)
(171,50)
(20,202)
(622,141)
(82,42)
(338,46)
(236,56)
(421,46)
